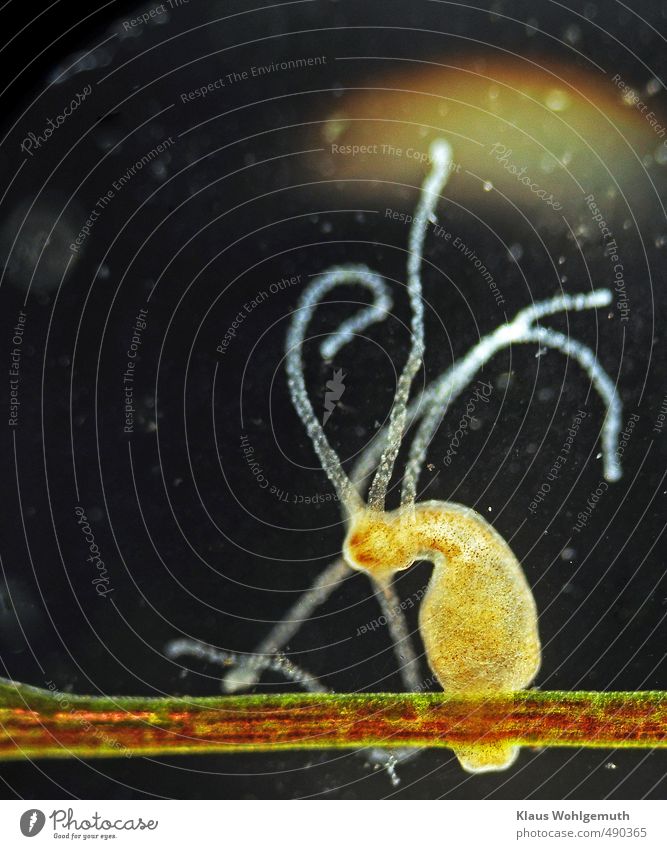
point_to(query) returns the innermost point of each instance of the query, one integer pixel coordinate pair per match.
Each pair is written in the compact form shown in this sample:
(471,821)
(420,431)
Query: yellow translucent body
(478,619)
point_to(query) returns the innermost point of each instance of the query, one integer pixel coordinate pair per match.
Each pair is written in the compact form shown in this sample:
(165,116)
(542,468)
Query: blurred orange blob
(542,135)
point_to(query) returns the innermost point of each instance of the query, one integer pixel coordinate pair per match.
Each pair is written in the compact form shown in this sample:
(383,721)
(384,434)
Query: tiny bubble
(653,86)
(572,34)
(557,100)
(503,380)
(159,170)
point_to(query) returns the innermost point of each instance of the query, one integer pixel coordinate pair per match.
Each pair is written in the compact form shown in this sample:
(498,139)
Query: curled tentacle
(432,405)
(344,275)
(611,425)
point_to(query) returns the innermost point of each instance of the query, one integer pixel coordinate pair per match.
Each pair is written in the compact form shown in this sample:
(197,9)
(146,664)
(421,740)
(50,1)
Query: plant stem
(40,723)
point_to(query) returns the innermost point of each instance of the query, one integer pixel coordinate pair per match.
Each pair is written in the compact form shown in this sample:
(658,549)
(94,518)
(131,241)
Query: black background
(224,558)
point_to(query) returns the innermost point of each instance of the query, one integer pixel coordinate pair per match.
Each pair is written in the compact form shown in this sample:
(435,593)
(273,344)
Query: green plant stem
(39,723)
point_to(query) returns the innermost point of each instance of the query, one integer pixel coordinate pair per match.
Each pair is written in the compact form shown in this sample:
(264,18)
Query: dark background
(193,545)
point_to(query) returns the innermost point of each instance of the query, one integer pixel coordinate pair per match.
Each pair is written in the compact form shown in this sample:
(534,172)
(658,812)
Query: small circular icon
(32,822)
